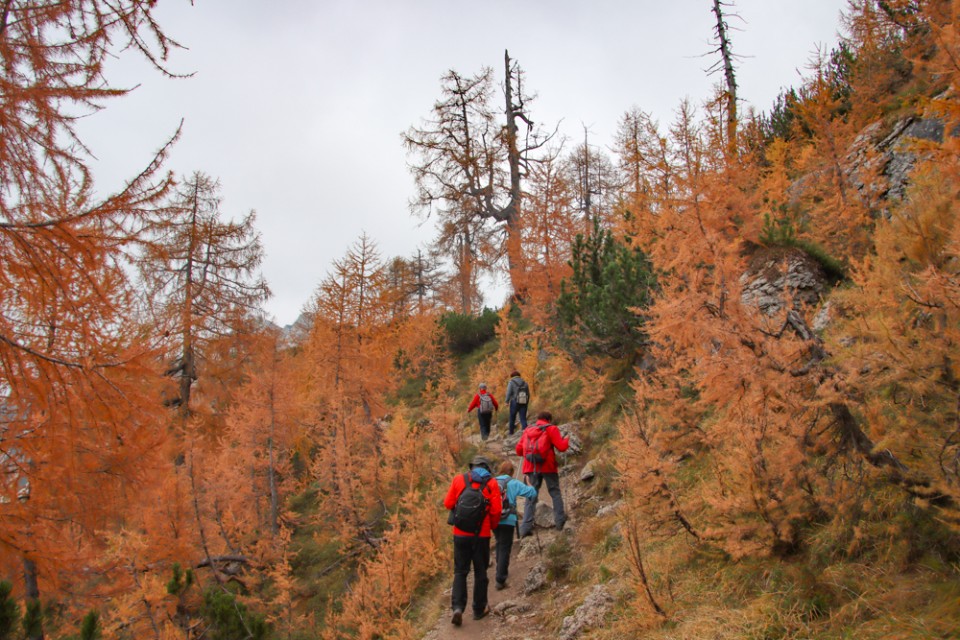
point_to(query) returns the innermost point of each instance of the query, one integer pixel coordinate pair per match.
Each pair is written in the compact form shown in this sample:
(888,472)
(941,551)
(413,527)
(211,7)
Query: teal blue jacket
(515,489)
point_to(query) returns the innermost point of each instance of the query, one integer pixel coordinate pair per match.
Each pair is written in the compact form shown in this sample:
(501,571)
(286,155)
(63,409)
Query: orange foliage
(723,384)
(549,226)
(410,554)
(77,441)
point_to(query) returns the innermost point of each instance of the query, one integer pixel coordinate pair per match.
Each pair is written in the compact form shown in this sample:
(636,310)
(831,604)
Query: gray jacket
(513,386)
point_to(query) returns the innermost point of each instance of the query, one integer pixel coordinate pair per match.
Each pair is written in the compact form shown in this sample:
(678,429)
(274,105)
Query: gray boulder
(535,580)
(588,615)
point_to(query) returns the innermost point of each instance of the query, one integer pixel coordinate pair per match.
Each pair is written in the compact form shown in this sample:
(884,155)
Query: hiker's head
(480,461)
(506,469)
(483,386)
(514,374)
(545,415)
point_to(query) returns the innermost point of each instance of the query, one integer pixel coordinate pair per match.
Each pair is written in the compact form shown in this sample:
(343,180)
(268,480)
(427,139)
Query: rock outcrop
(588,615)
(779,277)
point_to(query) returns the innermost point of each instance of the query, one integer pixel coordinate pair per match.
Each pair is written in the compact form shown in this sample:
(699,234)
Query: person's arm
(519,448)
(557,440)
(453,493)
(474,403)
(511,391)
(496,407)
(523,490)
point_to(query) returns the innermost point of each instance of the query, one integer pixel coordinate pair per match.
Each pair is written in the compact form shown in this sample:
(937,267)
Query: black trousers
(517,410)
(485,420)
(504,534)
(470,551)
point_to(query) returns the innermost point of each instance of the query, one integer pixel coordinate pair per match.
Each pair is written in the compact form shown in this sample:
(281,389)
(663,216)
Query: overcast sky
(297,106)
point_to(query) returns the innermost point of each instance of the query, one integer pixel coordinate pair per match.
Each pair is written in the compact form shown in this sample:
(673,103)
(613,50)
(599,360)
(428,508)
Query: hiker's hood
(479,474)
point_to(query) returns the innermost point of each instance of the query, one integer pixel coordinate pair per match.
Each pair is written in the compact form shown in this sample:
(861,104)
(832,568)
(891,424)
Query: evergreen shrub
(598,307)
(466,332)
(90,628)
(9,612)
(229,619)
(33,620)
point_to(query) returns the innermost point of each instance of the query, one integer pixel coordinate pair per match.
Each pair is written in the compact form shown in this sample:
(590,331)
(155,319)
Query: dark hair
(545,415)
(514,374)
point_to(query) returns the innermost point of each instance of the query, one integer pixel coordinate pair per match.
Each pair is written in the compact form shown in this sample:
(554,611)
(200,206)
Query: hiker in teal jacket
(508,518)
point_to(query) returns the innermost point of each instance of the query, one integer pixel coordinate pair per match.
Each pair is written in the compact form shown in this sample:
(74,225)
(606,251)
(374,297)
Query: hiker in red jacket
(485,404)
(473,514)
(536,446)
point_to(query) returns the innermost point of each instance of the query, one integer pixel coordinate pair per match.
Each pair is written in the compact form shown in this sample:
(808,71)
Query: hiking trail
(517,611)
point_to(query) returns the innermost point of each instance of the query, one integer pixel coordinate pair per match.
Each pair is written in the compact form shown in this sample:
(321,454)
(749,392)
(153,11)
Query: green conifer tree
(9,612)
(229,619)
(33,621)
(90,628)
(598,305)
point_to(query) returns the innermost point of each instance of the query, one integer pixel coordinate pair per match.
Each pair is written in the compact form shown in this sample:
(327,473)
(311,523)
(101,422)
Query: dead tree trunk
(511,212)
(730,78)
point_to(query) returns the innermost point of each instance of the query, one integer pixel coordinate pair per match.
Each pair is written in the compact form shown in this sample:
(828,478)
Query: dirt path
(509,609)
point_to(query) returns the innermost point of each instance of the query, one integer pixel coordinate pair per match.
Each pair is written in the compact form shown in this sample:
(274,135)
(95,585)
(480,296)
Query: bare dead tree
(469,168)
(726,62)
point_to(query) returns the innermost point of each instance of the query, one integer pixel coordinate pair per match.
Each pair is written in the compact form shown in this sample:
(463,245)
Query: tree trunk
(271,470)
(32,587)
(511,213)
(31,583)
(465,273)
(189,371)
(730,79)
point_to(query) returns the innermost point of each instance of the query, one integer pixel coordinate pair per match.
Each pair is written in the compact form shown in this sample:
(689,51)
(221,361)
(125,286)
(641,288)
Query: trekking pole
(516,526)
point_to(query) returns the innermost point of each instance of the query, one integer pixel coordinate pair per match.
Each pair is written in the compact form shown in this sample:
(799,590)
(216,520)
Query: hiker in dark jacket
(536,446)
(472,548)
(518,397)
(485,407)
(508,519)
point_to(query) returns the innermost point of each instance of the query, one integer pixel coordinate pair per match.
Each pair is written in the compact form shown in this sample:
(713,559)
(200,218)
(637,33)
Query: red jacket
(476,402)
(557,441)
(491,491)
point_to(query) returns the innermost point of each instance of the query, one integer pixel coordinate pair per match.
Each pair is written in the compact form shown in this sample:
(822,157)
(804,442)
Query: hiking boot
(457,618)
(477,615)
(500,586)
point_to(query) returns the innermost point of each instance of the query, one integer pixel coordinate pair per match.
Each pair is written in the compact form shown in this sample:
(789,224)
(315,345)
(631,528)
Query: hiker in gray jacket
(518,397)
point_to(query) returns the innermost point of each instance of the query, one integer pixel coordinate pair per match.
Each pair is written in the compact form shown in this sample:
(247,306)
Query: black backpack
(509,508)
(471,507)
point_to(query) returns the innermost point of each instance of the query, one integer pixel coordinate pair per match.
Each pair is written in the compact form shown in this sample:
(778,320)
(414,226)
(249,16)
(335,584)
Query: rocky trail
(527,608)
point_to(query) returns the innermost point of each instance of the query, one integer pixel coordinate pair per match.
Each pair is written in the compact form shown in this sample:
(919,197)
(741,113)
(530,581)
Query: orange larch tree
(896,334)
(722,385)
(77,435)
(200,274)
(551,221)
